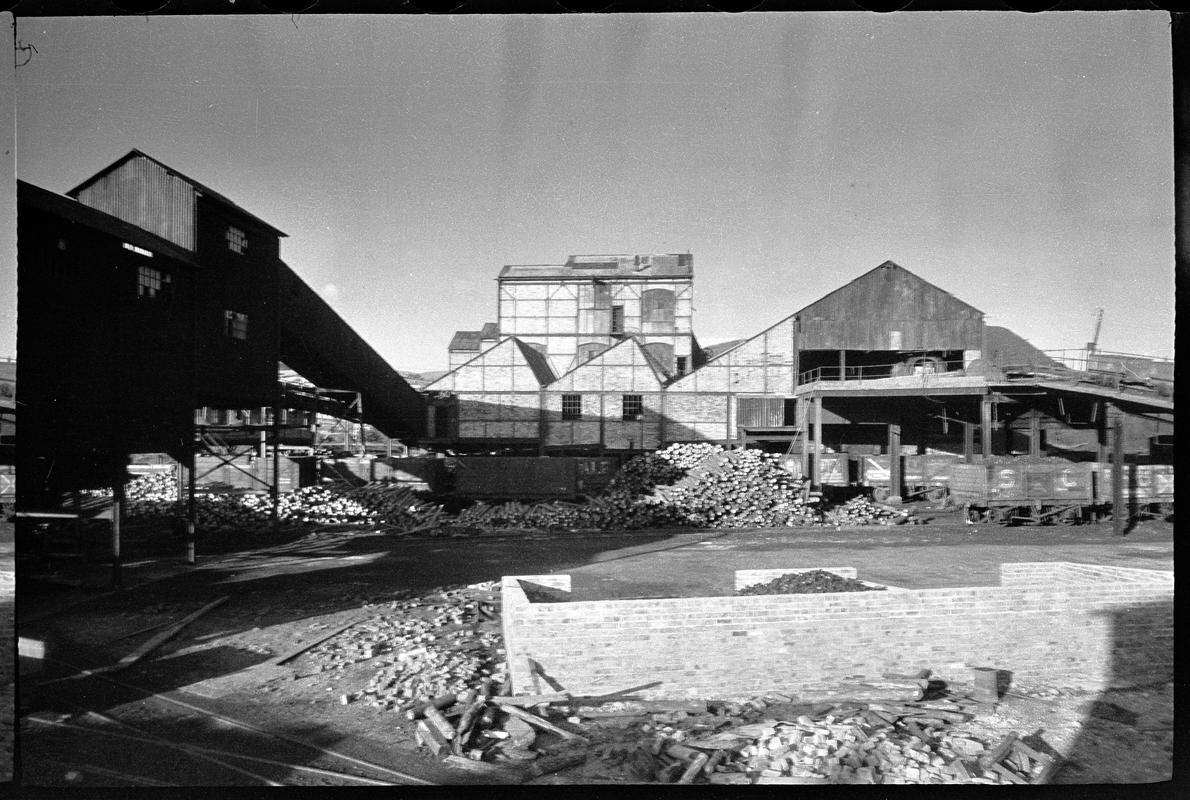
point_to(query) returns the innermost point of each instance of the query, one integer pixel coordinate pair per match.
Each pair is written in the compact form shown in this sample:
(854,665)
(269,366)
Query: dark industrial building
(145,296)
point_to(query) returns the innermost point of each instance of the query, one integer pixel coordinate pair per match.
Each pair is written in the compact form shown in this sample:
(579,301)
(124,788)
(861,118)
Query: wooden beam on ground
(161,638)
(292,654)
(543,724)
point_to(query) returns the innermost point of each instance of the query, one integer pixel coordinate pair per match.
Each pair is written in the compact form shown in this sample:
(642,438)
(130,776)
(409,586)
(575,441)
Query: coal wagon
(1025,491)
(1148,490)
(922,476)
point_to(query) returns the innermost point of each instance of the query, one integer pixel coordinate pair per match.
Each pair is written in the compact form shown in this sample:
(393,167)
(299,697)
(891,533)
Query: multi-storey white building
(572,312)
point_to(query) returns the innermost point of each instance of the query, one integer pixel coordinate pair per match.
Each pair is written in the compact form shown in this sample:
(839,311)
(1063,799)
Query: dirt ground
(206,686)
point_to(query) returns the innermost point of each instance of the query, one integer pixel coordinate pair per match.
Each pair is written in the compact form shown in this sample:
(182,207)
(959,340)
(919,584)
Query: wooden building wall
(236,370)
(144,193)
(103,369)
(890,308)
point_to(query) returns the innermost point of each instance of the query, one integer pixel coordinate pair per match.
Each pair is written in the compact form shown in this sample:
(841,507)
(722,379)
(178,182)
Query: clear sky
(1022,162)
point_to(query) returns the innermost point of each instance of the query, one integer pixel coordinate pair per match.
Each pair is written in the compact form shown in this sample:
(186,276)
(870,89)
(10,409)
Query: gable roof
(872,271)
(471,340)
(629,341)
(537,362)
(464,340)
(70,209)
(722,350)
(199,187)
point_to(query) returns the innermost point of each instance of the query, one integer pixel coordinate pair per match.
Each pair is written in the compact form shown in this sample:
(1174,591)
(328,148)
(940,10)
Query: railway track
(292,756)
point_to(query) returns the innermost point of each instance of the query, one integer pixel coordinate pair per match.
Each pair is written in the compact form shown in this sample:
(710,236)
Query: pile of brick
(500,739)
(426,647)
(863,511)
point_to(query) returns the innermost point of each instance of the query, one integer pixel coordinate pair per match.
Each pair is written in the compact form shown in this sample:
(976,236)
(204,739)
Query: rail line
(194,750)
(403,778)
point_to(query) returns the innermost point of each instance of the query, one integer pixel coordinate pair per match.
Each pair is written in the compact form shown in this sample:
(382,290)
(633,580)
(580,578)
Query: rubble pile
(740,489)
(426,647)
(864,511)
(812,582)
(765,740)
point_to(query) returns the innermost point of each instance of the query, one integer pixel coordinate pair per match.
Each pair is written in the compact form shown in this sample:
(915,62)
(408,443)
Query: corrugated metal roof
(71,209)
(886,265)
(202,188)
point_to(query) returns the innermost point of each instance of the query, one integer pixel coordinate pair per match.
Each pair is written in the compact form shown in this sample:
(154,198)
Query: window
(153,283)
(603,295)
(140,251)
(237,240)
(617,319)
(657,305)
(634,406)
(572,406)
(681,365)
(235,324)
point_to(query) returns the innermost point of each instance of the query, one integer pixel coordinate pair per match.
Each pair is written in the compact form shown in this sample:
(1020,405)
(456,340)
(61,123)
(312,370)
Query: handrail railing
(866,372)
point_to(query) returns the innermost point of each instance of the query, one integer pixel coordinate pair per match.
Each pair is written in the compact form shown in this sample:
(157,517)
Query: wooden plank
(491,773)
(292,654)
(544,725)
(557,763)
(995,755)
(1006,773)
(697,765)
(532,699)
(429,736)
(161,638)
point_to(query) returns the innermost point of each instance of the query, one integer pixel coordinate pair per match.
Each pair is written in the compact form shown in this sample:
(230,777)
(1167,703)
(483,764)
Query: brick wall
(1049,624)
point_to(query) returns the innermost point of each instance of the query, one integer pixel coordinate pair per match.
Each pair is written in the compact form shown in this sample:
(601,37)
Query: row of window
(633,406)
(155,284)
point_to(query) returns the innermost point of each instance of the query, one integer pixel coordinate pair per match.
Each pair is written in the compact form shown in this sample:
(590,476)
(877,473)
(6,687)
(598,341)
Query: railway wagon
(527,478)
(1148,489)
(1021,491)
(834,468)
(922,476)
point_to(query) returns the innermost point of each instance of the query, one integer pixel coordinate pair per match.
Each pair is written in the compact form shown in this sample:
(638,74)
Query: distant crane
(1093,345)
